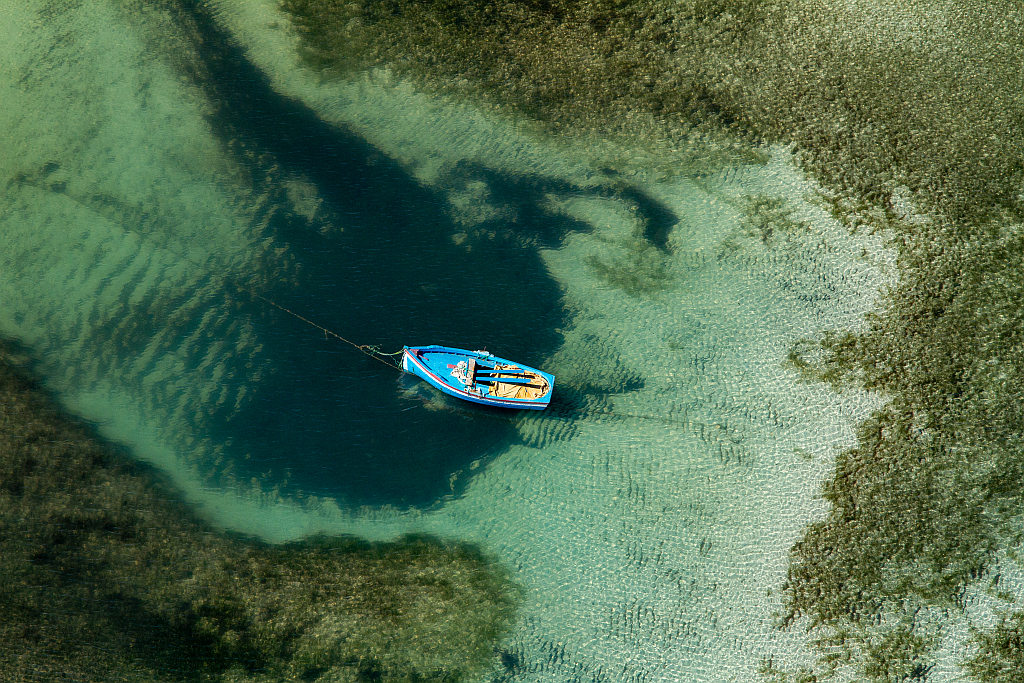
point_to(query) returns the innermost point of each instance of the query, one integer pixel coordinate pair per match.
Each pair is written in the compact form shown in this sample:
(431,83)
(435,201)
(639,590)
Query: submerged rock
(108,576)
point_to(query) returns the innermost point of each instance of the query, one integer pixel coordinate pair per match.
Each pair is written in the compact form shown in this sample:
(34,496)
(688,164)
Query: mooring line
(371,350)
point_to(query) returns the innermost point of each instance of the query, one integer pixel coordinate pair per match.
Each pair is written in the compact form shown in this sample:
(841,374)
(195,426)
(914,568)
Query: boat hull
(480,377)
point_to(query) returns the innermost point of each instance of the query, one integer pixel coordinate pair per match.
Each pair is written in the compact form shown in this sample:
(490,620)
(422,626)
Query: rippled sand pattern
(648,514)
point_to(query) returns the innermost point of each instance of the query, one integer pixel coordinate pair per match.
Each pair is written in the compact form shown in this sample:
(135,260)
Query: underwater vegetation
(911,118)
(937,481)
(606,66)
(872,96)
(640,271)
(1000,657)
(108,576)
(767,222)
(932,490)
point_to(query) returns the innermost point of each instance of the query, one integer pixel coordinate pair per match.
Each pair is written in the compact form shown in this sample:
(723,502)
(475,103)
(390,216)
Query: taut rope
(371,350)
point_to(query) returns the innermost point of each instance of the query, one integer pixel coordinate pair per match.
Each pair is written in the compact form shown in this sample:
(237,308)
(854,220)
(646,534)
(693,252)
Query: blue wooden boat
(480,377)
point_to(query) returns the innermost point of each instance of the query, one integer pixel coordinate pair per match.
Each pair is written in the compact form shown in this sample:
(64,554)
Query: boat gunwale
(414,354)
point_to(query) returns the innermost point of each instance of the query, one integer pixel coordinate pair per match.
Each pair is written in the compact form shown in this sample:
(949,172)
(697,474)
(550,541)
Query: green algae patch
(915,131)
(416,609)
(605,65)
(640,271)
(769,218)
(911,116)
(999,657)
(937,480)
(873,96)
(833,357)
(108,576)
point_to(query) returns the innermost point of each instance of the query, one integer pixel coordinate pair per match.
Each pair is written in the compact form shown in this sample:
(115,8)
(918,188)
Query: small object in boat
(480,377)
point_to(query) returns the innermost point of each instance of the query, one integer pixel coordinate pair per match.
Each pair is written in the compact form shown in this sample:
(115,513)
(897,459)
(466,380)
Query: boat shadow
(382,260)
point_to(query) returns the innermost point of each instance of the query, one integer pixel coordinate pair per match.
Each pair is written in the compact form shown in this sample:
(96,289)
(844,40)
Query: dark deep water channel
(332,421)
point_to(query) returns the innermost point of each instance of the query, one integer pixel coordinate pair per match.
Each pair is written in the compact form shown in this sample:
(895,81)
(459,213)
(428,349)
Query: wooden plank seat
(507,380)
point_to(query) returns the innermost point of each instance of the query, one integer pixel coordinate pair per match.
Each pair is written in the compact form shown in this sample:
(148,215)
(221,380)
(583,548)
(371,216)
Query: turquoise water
(165,169)
(353,427)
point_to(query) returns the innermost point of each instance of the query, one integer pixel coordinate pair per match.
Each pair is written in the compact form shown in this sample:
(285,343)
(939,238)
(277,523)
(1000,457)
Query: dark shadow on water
(331,420)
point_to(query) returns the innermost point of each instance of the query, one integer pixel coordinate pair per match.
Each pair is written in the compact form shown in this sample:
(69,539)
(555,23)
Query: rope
(371,350)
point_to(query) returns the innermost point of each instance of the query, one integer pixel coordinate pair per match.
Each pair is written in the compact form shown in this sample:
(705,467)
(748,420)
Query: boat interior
(509,381)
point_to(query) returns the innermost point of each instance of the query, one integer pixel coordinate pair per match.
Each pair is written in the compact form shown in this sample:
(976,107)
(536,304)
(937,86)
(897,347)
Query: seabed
(749,296)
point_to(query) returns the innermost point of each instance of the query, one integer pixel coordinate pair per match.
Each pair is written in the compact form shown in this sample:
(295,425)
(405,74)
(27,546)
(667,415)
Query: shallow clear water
(647,513)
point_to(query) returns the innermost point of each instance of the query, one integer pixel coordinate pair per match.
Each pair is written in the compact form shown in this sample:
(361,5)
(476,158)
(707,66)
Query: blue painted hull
(480,377)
